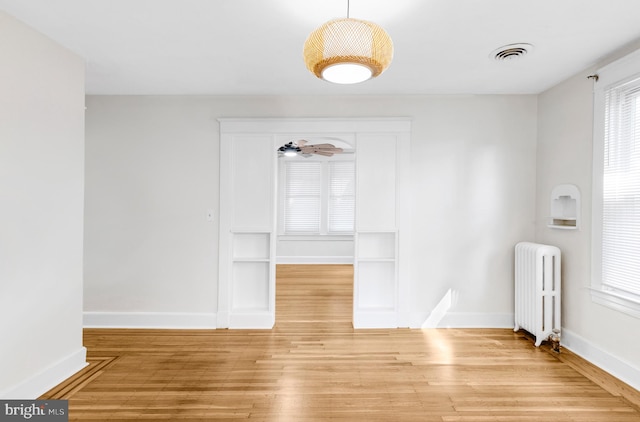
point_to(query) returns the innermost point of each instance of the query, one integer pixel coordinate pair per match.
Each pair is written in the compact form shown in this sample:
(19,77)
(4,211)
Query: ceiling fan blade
(322,146)
(322,152)
(301,142)
(313,148)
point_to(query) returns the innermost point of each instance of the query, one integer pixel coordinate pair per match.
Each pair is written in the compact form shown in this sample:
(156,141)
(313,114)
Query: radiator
(537,290)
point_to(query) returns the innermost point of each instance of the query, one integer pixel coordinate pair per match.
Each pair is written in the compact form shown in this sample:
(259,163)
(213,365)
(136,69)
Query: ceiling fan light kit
(289,150)
(348,51)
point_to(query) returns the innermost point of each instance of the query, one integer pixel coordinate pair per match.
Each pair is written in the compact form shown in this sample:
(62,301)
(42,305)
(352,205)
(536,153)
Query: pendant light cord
(347,9)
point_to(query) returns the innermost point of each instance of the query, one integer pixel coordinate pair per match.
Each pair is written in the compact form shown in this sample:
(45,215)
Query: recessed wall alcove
(565,207)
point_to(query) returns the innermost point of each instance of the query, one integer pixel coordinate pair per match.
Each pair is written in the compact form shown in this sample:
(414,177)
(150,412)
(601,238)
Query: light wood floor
(314,367)
(318,296)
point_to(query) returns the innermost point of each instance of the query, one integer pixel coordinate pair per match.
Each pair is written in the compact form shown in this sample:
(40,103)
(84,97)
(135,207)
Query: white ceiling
(254,47)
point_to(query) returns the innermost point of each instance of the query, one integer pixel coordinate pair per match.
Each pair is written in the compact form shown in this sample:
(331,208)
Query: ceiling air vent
(511,52)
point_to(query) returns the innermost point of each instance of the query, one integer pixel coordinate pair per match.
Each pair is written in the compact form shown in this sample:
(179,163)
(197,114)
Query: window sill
(318,237)
(616,301)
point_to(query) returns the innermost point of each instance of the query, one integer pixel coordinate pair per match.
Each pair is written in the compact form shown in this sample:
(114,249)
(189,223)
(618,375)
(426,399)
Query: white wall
(565,140)
(41,211)
(152,171)
(151,177)
(474,177)
(314,250)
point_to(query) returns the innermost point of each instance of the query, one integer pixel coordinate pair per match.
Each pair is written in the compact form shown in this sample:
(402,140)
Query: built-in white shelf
(251,245)
(251,267)
(376,260)
(251,260)
(376,246)
(376,269)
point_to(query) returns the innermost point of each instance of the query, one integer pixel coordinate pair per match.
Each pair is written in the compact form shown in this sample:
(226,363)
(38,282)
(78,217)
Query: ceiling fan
(301,147)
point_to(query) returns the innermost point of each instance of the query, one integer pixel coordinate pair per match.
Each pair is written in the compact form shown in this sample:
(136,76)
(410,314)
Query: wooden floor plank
(313,366)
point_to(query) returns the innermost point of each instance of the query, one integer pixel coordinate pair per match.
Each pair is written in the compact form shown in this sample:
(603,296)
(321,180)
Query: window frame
(615,74)
(324,201)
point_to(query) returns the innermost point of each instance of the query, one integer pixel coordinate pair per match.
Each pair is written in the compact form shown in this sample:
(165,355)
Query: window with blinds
(318,197)
(342,197)
(303,197)
(621,190)
(615,246)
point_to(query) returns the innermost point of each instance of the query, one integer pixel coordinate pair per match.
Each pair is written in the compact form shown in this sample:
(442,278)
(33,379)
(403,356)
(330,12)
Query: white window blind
(302,197)
(318,197)
(621,190)
(342,197)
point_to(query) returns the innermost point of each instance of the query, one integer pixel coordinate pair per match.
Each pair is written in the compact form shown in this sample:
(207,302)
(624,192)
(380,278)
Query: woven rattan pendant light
(348,51)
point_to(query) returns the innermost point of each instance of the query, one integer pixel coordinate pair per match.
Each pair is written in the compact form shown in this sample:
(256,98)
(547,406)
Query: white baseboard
(375,319)
(470,320)
(251,320)
(302,260)
(45,380)
(434,320)
(149,320)
(602,359)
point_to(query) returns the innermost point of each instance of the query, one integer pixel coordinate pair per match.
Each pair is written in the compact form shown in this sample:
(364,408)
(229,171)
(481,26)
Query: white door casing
(247,231)
(248,198)
(381,285)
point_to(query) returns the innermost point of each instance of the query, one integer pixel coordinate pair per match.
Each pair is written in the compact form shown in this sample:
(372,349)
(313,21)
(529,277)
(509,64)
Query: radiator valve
(555,340)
